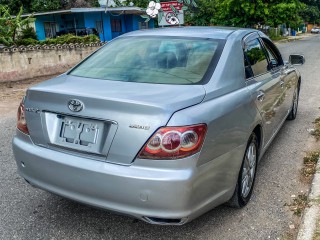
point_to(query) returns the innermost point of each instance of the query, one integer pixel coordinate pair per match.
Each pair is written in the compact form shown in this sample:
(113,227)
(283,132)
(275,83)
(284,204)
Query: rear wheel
(244,187)
(293,113)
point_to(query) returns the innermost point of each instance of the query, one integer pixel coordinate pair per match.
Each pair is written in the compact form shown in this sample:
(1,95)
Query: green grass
(298,204)
(316,132)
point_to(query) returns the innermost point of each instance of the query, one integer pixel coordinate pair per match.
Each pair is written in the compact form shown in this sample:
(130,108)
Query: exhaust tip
(165,221)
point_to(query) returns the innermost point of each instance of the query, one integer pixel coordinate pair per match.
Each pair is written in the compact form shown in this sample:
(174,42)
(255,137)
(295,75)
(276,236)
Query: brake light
(21,119)
(174,142)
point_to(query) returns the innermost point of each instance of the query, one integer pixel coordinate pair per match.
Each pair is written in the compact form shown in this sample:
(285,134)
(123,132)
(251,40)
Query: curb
(294,38)
(291,39)
(311,214)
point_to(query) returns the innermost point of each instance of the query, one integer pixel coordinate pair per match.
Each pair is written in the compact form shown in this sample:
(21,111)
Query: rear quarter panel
(230,118)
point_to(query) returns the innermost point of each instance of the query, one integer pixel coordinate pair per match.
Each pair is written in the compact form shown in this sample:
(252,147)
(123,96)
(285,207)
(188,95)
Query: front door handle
(260,96)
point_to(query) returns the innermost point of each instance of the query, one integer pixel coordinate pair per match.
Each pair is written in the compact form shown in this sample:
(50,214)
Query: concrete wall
(18,63)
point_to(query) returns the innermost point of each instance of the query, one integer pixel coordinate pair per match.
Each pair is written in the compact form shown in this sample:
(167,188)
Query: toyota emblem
(75,105)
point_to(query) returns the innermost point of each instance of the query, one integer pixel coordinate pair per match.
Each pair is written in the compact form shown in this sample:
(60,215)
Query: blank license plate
(81,134)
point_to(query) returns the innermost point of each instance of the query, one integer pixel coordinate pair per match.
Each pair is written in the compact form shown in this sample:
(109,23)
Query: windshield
(152,60)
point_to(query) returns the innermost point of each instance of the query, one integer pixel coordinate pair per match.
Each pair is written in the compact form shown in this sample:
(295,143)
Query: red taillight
(21,120)
(174,142)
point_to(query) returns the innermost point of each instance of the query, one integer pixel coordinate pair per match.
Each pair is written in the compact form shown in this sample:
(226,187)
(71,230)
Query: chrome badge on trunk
(75,105)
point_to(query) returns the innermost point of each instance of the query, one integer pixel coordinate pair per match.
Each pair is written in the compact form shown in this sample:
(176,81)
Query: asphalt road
(29,213)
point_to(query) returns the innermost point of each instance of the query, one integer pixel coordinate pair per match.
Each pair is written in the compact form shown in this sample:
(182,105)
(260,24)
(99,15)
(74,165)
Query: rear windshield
(153,60)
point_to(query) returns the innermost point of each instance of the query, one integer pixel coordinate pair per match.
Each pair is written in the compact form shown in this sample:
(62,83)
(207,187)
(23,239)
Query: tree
(242,13)
(286,12)
(15,5)
(203,14)
(10,25)
(80,3)
(247,13)
(45,5)
(312,11)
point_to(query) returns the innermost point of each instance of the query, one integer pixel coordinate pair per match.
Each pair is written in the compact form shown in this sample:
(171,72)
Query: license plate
(80,134)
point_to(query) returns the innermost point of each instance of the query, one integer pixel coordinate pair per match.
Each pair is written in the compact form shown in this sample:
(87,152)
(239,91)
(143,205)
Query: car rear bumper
(158,194)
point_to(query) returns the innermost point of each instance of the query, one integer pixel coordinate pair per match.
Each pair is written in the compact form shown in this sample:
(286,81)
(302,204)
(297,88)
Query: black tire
(294,109)
(242,196)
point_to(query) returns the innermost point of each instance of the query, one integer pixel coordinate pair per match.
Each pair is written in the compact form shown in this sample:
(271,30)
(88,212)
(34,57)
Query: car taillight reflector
(174,142)
(21,120)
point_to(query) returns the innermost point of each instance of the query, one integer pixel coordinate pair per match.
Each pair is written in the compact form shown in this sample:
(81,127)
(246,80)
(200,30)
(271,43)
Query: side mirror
(296,59)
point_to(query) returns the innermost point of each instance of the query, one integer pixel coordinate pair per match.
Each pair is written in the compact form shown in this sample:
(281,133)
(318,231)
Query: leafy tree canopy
(246,13)
(31,6)
(242,13)
(44,5)
(9,25)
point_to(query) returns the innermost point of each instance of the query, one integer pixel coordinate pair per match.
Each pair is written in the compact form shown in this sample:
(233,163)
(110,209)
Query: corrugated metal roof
(132,10)
(46,13)
(109,9)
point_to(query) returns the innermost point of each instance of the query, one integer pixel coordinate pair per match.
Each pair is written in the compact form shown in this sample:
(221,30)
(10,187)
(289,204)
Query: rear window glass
(152,60)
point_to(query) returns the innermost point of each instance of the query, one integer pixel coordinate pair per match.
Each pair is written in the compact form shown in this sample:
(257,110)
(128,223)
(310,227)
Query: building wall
(40,29)
(137,19)
(28,62)
(129,23)
(90,20)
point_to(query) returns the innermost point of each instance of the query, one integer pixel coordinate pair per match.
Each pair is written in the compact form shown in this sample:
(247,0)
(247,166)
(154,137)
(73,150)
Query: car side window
(256,57)
(247,68)
(273,53)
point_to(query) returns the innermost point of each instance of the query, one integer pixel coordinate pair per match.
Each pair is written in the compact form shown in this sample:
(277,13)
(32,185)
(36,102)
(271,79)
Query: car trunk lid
(116,120)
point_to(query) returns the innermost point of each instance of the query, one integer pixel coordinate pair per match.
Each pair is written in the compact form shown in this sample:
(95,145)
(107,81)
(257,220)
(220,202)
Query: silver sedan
(161,124)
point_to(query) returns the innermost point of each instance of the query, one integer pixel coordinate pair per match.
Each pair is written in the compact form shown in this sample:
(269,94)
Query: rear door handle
(260,96)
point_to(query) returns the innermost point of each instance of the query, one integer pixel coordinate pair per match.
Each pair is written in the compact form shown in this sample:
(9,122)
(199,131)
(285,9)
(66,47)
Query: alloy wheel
(248,169)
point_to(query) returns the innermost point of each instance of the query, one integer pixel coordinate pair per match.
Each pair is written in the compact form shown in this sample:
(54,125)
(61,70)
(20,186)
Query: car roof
(201,32)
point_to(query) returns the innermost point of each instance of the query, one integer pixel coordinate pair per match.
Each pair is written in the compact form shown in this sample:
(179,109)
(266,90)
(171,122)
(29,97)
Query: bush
(274,33)
(26,42)
(74,39)
(91,38)
(28,33)
(64,39)
(48,41)
(6,41)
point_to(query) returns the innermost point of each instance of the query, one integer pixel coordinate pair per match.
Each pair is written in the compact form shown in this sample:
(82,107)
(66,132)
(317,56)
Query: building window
(143,25)
(50,29)
(99,26)
(116,25)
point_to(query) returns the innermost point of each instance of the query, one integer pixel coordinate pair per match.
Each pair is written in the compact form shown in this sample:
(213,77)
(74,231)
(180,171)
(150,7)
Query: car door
(263,84)
(286,76)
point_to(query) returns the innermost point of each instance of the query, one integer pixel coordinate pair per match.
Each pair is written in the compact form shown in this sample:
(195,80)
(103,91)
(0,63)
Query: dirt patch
(11,93)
